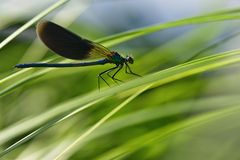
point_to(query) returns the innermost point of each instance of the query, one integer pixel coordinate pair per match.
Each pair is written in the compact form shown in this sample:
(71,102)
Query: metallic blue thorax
(117,58)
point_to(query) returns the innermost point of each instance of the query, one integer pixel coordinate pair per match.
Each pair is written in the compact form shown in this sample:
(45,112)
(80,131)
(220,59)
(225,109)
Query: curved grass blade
(48,125)
(163,133)
(146,115)
(32,21)
(165,110)
(156,79)
(73,146)
(212,17)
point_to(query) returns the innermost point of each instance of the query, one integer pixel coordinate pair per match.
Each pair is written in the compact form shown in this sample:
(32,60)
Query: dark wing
(68,44)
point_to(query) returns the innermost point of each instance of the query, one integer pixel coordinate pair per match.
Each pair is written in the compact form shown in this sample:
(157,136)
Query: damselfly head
(129,59)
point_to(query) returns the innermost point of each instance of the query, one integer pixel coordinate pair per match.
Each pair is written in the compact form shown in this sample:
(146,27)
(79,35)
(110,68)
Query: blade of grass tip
(32,21)
(99,123)
(161,134)
(47,126)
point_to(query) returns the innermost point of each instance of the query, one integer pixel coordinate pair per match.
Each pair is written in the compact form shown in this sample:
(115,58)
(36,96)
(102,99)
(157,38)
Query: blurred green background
(196,117)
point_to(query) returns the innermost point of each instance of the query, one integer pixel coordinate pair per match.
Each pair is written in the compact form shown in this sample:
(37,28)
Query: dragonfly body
(114,59)
(72,46)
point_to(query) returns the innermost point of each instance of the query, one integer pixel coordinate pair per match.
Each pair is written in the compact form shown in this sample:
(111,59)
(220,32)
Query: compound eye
(130,60)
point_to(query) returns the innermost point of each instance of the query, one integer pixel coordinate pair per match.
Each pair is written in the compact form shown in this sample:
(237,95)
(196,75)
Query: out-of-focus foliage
(190,108)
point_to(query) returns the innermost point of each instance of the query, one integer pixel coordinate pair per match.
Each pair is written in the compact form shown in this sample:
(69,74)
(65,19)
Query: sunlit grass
(67,119)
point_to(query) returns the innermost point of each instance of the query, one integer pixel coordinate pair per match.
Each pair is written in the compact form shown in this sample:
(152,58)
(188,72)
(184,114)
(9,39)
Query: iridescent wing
(67,44)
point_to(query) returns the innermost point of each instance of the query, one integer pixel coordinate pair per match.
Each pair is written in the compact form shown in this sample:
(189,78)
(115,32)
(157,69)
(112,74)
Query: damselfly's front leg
(130,71)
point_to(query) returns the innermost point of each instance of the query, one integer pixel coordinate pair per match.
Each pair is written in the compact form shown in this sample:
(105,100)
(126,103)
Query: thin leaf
(72,147)
(157,79)
(163,133)
(32,21)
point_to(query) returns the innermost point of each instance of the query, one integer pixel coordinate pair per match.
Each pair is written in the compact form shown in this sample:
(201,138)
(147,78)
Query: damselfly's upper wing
(68,44)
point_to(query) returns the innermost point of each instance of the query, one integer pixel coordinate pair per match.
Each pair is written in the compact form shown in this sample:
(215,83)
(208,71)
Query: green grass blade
(213,17)
(43,128)
(163,133)
(165,110)
(32,21)
(70,149)
(158,78)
